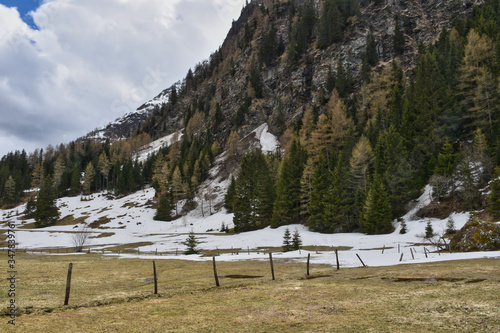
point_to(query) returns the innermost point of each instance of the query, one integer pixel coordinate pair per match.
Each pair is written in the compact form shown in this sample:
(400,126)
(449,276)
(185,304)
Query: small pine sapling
(287,244)
(429,232)
(450,226)
(404,229)
(191,244)
(296,240)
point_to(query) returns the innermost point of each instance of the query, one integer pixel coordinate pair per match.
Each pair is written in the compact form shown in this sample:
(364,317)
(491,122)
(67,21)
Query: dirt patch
(101,221)
(242,276)
(424,279)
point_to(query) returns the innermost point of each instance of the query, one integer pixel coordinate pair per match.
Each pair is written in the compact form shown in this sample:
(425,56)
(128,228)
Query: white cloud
(92,61)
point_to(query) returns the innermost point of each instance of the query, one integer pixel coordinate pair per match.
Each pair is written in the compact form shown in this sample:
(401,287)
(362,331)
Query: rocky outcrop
(477,235)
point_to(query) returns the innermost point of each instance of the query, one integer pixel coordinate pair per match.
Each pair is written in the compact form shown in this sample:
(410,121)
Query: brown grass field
(116,295)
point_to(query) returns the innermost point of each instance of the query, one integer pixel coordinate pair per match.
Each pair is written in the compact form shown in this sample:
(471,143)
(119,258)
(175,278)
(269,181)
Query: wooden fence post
(272,266)
(401,258)
(412,256)
(215,273)
(425,252)
(360,260)
(68,284)
(383,249)
(155,279)
(308,260)
(337,257)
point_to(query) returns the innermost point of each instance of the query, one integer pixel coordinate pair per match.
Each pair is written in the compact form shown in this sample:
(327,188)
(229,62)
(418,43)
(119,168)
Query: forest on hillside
(352,161)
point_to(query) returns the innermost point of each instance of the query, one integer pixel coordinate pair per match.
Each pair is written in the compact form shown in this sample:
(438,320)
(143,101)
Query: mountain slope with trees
(371,100)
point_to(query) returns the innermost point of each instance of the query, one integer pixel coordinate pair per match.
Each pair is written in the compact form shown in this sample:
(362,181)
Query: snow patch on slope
(153,147)
(267,140)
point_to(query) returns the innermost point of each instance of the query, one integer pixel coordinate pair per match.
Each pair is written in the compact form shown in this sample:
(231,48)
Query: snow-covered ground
(131,221)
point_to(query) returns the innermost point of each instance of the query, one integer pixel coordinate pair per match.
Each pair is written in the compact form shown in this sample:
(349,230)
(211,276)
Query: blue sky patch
(24,7)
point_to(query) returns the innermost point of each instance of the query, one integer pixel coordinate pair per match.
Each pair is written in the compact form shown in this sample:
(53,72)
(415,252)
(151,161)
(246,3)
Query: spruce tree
(446,160)
(296,240)
(330,24)
(450,226)
(75,181)
(398,40)
(254,193)
(371,55)
(377,215)
(287,243)
(230,195)
(403,229)
(165,207)
(317,219)
(46,212)
(191,244)
(429,231)
(287,205)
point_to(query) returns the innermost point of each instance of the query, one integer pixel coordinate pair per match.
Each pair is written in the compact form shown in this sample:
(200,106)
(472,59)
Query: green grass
(116,295)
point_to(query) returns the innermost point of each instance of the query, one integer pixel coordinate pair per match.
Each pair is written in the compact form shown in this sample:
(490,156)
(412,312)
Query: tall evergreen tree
(330,24)
(254,193)
(317,220)
(398,39)
(165,207)
(287,241)
(10,190)
(287,204)
(230,195)
(46,212)
(377,214)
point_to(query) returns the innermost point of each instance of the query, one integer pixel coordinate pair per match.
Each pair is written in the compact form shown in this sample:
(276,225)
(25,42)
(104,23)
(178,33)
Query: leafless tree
(81,237)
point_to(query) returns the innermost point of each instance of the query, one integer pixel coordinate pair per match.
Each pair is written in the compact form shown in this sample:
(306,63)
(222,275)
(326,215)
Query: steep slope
(230,77)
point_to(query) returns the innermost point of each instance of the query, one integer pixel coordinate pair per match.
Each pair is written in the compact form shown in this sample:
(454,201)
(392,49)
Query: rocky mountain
(286,87)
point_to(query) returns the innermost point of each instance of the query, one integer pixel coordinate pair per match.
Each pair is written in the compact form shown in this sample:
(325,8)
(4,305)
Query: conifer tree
(46,212)
(403,229)
(88,178)
(477,82)
(360,162)
(254,193)
(296,240)
(10,190)
(398,41)
(377,214)
(75,181)
(445,160)
(287,243)
(371,50)
(306,186)
(104,167)
(59,168)
(287,204)
(339,203)
(165,207)
(191,244)
(317,220)
(230,195)
(450,226)
(330,24)
(429,231)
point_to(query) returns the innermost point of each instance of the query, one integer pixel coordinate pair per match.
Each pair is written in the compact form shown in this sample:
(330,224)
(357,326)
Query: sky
(70,66)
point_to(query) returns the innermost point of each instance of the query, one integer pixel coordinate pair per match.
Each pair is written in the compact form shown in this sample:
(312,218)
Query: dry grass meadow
(116,295)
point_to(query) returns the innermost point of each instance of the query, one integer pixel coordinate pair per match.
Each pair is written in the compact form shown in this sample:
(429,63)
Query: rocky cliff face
(220,89)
